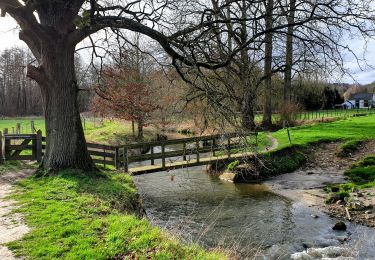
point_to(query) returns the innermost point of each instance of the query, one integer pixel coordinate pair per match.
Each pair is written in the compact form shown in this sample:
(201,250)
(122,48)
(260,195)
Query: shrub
(233,165)
(288,113)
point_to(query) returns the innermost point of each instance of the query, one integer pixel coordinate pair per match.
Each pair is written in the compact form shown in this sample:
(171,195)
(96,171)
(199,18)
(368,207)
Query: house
(360,100)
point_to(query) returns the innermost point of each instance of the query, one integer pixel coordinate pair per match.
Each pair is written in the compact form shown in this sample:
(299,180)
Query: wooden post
(18,128)
(256,142)
(39,138)
(163,155)
(1,148)
(6,145)
(184,148)
(290,139)
(197,147)
(105,159)
(117,161)
(126,159)
(152,155)
(32,127)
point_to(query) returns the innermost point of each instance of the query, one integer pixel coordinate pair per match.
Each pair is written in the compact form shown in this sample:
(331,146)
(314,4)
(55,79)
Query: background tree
(124,95)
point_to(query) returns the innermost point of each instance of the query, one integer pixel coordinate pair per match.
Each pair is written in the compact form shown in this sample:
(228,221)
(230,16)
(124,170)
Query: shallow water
(243,218)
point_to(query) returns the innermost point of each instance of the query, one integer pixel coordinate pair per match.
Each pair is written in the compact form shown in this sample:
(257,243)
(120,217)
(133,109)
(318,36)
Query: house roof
(362,96)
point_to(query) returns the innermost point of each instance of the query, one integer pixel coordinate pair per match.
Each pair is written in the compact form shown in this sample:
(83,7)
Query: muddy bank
(324,168)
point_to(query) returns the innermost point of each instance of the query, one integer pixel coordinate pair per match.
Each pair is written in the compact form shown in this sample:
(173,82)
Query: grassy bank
(356,128)
(91,216)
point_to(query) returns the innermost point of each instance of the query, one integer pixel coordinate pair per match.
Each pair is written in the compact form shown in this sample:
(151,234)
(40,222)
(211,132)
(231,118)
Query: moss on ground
(92,216)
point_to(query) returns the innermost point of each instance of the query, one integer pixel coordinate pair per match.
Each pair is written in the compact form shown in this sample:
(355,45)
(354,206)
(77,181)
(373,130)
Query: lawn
(92,216)
(354,128)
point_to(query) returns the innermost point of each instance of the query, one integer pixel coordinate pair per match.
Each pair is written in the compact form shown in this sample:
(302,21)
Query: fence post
(163,155)
(184,148)
(1,148)
(197,146)
(32,127)
(117,163)
(39,149)
(6,145)
(152,155)
(126,159)
(214,146)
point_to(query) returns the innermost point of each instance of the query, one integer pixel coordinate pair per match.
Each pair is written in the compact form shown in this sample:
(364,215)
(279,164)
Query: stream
(247,219)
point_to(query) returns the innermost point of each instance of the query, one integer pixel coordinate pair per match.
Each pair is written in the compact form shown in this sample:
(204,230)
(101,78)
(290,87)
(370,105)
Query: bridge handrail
(185,140)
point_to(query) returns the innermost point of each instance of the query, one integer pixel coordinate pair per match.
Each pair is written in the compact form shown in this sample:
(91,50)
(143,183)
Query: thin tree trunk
(140,129)
(66,145)
(267,108)
(133,128)
(289,53)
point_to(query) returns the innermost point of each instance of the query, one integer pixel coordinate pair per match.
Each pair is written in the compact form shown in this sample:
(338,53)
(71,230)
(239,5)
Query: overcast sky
(364,75)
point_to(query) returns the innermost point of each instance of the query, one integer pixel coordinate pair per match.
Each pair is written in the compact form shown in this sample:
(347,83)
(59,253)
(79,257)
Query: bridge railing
(187,148)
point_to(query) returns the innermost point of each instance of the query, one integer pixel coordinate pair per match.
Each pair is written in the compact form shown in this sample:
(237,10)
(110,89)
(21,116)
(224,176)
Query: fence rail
(186,152)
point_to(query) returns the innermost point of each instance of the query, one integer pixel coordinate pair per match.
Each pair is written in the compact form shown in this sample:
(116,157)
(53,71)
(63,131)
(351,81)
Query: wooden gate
(25,147)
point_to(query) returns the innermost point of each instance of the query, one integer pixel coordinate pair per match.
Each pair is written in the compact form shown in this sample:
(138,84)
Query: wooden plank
(20,147)
(104,162)
(188,140)
(18,152)
(38,146)
(101,146)
(102,154)
(184,164)
(17,136)
(21,158)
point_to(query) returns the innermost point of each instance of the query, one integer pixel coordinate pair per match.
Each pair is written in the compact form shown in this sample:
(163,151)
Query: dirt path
(274,144)
(12,226)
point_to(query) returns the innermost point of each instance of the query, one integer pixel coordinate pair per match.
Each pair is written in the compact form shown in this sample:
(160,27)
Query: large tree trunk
(66,144)
(267,108)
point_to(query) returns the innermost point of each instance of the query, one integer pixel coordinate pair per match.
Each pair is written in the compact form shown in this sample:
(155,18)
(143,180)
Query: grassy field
(354,128)
(320,114)
(92,216)
(96,130)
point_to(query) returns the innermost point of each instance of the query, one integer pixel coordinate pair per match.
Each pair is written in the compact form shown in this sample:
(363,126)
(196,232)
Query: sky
(359,74)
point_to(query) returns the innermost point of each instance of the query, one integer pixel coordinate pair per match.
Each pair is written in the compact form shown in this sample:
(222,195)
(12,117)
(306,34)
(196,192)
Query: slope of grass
(91,216)
(357,128)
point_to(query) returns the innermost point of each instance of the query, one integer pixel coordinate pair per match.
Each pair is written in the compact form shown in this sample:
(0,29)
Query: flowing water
(245,218)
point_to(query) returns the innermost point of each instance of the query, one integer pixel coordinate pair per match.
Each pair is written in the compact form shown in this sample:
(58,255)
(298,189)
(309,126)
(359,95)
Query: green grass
(356,128)
(91,216)
(98,131)
(361,176)
(25,124)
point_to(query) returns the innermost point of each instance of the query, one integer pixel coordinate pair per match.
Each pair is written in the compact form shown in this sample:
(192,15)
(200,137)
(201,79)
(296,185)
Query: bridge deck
(185,164)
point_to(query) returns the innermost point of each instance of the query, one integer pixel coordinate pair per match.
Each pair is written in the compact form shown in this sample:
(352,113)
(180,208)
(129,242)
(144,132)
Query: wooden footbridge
(146,157)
